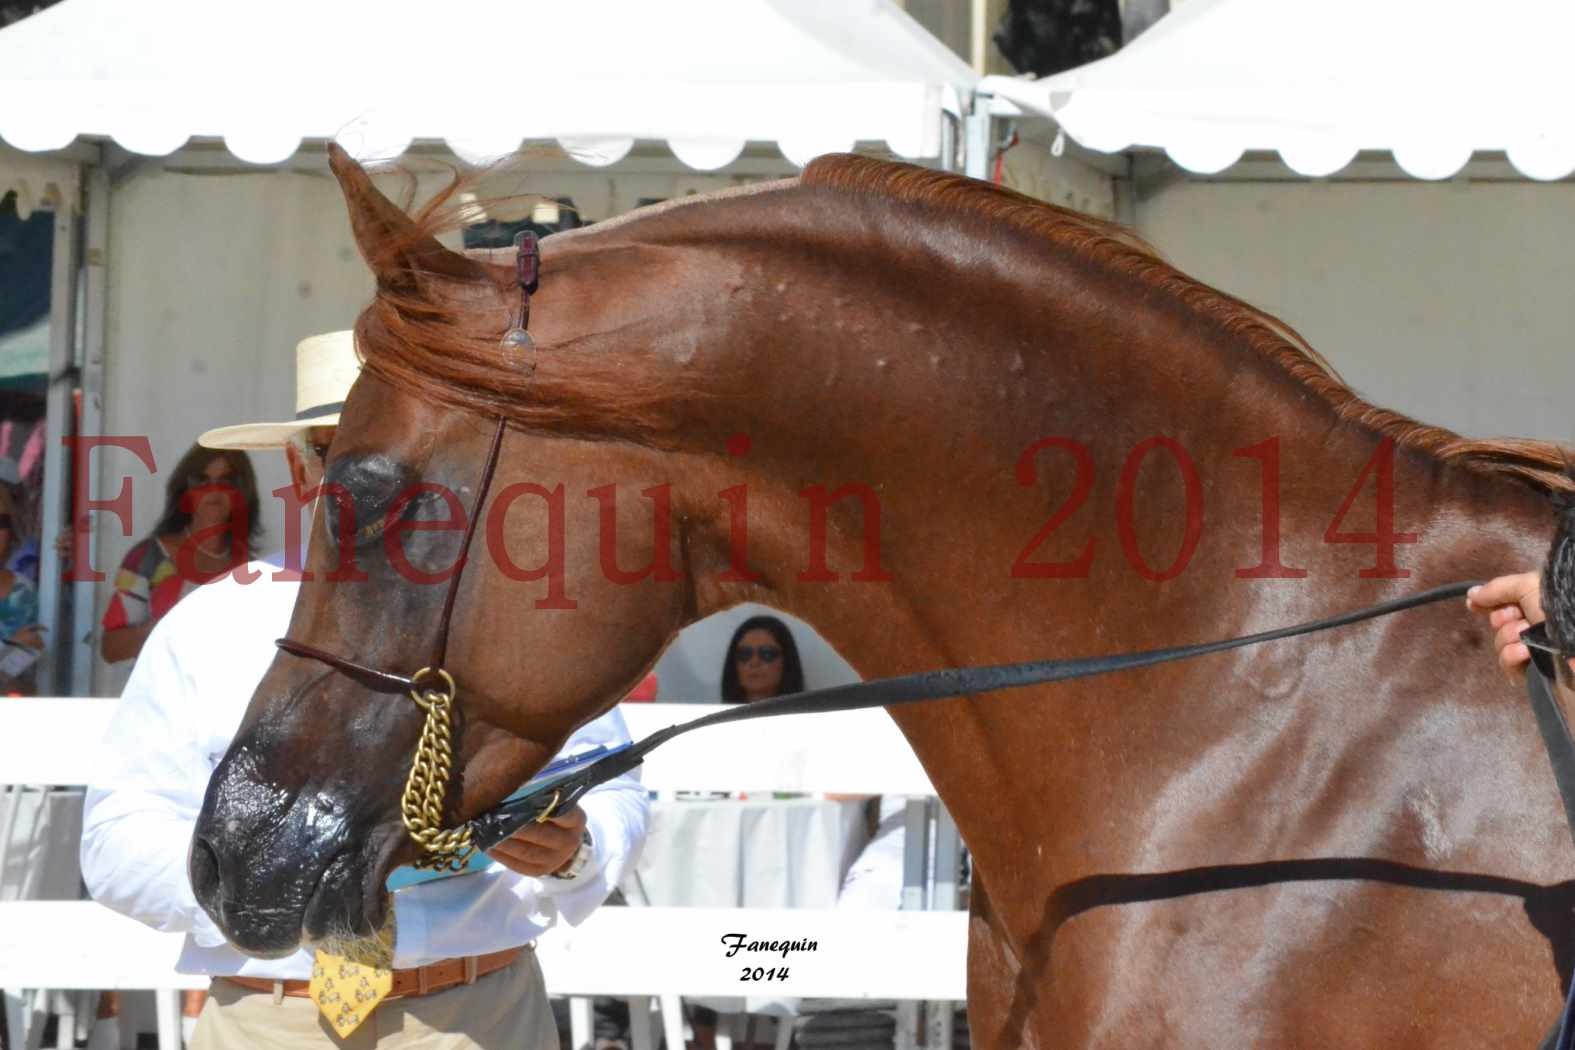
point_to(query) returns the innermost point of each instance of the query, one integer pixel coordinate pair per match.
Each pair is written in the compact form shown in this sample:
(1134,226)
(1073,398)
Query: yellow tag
(345,992)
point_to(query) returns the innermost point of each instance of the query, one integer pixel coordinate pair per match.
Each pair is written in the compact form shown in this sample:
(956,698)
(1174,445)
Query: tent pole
(978,129)
(64,264)
(979,35)
(96,295)
(1125,187)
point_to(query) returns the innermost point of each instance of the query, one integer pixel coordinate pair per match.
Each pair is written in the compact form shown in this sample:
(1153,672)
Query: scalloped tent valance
(813,76)
(1317,82)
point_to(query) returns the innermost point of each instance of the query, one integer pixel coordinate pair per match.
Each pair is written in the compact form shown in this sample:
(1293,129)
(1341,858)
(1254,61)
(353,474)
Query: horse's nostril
(203,866)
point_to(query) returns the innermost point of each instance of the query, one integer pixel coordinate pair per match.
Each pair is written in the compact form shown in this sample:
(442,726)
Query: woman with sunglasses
(19,625)
(762,662)
(210,502)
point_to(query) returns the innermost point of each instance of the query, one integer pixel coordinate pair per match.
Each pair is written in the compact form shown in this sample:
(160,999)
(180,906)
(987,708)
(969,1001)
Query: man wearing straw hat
(464,973)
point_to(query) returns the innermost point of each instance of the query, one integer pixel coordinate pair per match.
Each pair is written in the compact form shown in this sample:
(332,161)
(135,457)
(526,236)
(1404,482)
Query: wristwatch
(580,861)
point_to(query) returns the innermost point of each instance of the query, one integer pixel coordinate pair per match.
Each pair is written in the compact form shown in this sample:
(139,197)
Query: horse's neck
(969,401)
(968,382)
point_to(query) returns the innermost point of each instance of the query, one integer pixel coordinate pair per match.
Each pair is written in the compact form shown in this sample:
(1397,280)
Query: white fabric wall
(1450,302)
(213,280)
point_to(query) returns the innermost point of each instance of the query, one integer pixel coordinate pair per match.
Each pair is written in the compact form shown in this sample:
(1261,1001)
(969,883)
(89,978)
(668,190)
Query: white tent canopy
(1430,82)
(707,76)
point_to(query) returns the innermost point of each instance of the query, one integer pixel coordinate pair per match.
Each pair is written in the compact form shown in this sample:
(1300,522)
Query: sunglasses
(1549,660)
(768,653)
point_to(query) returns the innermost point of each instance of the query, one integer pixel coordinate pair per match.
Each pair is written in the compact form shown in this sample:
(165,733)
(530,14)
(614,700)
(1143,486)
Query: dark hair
(195,461)
(792,669)
(1558,578)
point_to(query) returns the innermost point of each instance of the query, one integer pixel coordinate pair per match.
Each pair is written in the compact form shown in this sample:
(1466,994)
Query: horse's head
(302,820)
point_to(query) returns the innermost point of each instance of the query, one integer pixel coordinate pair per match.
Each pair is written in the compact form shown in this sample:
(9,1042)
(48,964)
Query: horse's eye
(375,491)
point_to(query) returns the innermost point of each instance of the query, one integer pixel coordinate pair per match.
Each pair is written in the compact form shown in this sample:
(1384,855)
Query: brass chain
(421,806)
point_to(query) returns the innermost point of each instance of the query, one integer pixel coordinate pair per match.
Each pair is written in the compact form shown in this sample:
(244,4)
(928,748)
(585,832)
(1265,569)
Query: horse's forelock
(442,348)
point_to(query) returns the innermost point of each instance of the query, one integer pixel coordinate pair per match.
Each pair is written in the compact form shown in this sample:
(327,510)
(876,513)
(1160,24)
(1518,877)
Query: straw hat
(325,368)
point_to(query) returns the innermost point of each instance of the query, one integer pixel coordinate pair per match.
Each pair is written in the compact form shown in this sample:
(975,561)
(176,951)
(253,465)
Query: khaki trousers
(507,1009)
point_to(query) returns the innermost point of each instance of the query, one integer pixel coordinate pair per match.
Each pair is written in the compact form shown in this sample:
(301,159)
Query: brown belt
(423,980)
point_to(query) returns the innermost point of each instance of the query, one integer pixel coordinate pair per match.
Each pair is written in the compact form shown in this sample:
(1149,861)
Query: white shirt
(180,709)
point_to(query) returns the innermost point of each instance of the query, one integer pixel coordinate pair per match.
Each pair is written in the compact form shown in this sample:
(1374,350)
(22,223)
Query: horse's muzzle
(276,867)
(344,901)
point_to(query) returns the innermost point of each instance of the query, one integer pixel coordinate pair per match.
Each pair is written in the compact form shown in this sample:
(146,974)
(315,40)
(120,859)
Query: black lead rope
(499,823)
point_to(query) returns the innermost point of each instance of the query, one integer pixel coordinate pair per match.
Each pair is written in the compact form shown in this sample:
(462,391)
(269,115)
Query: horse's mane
(1543,464)
(405,335)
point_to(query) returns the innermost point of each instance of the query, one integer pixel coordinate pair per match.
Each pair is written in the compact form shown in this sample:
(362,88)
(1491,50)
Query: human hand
(1511,604)
(541,849)
(31,636)
(66,541)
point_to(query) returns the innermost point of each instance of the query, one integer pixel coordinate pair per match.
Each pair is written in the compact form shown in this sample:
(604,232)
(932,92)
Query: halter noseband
(432,688)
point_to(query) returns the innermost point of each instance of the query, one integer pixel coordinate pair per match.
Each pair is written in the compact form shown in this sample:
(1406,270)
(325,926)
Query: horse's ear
(387,237)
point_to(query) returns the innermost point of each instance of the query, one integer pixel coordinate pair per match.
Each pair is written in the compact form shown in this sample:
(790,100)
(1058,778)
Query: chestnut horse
(948,425)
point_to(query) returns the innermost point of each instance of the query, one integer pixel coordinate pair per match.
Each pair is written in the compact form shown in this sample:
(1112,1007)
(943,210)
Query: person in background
(19,625)
(21,556)
(762,661)
(191,545)
(874,880)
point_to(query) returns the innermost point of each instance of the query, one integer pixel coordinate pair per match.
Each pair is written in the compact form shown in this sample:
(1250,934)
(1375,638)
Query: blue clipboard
(399,878)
